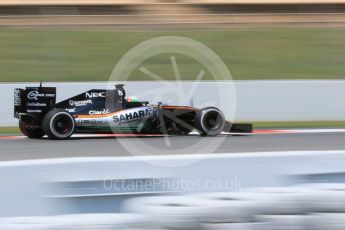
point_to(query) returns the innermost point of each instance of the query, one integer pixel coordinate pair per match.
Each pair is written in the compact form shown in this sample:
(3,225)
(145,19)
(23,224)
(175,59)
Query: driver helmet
(132,99)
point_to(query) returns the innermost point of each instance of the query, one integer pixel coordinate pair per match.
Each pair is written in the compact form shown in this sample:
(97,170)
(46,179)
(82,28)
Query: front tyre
(58,124)
(210,121)
(30,131)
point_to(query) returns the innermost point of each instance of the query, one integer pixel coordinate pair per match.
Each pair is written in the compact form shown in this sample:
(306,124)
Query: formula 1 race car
(109,111)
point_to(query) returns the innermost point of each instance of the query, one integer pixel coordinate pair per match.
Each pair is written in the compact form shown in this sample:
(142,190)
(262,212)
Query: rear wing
(34,100)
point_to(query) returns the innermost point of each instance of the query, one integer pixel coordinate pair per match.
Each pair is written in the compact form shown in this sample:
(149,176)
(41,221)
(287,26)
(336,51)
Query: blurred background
(82,40)
(287,57)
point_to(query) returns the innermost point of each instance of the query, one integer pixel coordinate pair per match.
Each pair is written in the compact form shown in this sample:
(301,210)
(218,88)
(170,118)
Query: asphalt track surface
(23,149)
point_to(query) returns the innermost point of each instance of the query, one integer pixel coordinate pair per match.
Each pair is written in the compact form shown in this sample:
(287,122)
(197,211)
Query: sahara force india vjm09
(109,111)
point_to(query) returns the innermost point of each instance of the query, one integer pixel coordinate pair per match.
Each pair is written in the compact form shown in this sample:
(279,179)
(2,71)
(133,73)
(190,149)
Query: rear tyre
(58,124)
(31,132)
(209,121)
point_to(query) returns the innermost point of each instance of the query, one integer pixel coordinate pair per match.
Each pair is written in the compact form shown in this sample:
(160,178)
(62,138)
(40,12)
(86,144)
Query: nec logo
(94,94)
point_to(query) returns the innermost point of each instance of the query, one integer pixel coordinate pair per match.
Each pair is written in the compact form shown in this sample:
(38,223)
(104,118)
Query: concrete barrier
(221,191)
(101,185)
(246,102)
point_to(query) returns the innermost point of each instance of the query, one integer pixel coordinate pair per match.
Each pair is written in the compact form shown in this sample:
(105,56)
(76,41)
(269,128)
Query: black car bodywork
(108,111)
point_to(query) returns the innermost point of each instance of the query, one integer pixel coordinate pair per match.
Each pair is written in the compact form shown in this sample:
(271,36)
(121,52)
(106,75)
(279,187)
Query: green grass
(257,125)
(300,124)
(9,130)
(30,54)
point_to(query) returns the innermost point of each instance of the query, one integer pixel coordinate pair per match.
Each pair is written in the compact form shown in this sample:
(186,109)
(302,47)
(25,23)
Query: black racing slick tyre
(31,132)
(58,124)
(210,121)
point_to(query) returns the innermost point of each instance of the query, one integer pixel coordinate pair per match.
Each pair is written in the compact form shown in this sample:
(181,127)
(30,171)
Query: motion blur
(277,64)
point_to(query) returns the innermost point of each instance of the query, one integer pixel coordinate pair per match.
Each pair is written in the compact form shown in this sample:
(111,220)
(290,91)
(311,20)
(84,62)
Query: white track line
(126,159)
(256,132)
